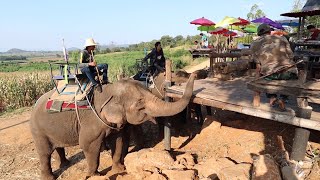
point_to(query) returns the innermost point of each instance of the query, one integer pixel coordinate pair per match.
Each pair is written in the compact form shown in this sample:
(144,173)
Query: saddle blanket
(59,106)
(65,95)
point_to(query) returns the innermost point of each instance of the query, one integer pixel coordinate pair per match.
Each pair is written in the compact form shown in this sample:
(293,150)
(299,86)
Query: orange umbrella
(279,33)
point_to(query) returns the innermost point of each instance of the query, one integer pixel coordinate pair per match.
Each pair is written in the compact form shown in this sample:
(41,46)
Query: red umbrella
(219,30)
(203,22)
(242,22)
(229,34)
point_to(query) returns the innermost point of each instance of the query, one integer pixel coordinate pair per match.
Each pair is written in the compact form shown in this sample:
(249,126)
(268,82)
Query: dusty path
(239,137)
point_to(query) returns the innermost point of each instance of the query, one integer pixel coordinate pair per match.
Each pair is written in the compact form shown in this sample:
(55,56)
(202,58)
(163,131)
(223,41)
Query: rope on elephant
(94,111)
(152,80)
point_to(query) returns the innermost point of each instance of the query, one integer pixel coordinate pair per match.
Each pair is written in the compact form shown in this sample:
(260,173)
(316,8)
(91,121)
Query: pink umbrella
(203,22)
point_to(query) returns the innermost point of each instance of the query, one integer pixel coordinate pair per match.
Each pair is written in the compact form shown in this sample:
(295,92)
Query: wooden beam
(284,117)
(167,123)
(285,90)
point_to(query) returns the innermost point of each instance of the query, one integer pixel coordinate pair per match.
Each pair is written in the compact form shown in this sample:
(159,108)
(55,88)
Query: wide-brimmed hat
(90,42)
(263,29)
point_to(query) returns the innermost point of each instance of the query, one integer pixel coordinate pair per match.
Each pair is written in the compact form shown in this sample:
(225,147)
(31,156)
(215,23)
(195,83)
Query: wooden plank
(284,117)
(290,91)
(309,85)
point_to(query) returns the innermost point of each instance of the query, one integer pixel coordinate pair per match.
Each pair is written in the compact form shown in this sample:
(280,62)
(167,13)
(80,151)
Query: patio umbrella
(203,22)
(268,21)
(219,30)
(242,22)
(251,28)
(229,34)
(206,28)
(279,33)
(227,21)
(289,22)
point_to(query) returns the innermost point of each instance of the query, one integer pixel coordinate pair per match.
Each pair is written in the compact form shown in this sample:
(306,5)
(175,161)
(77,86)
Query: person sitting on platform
(315,33)
(271,54)
(204,41)
(157,59)
(196,45)
(88,65)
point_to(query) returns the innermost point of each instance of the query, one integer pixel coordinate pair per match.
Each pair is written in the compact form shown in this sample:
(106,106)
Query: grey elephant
(125,101)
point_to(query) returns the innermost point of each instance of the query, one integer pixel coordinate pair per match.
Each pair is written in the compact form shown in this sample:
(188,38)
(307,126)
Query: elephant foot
(47,177)
(64,163)
(118,168)
(92,174)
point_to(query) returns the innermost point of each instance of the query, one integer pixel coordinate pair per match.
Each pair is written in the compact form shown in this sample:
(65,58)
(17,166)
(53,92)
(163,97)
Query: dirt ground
(239,138)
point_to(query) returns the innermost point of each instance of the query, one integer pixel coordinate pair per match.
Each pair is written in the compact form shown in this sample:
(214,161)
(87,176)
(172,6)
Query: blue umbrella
(289,22)
(268,21)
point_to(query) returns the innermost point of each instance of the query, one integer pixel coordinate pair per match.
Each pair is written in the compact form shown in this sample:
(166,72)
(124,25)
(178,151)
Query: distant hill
(15,50)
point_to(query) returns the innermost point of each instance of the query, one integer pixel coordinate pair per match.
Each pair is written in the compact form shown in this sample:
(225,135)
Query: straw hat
(90,42)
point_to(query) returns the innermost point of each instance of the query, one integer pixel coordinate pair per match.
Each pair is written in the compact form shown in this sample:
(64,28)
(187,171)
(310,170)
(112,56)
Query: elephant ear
(113,111)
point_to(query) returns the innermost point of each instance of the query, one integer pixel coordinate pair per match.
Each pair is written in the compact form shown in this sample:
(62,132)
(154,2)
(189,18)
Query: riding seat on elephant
(121,103)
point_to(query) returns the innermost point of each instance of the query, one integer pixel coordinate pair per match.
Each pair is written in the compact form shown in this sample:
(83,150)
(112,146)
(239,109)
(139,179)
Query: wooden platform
(234,96)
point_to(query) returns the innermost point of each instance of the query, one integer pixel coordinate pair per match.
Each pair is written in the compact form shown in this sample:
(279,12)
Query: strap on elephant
(110,125)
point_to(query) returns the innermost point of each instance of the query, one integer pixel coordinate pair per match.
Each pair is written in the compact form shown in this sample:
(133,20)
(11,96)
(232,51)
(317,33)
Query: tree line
(11,58)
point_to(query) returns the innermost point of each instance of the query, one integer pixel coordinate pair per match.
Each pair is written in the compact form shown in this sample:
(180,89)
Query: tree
(255,12)
(298,4)
(166,40)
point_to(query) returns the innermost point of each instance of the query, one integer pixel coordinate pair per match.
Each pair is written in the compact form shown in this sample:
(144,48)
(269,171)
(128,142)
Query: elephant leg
(62,156)
(137,136)
(45,150)
(160,122)
(117,153)
(91,148)
(209,113)
(199,113)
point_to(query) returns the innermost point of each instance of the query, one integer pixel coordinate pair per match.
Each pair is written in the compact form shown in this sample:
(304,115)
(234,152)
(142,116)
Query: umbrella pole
(299,28)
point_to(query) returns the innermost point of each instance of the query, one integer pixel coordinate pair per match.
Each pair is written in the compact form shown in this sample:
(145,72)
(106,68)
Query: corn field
(22,89)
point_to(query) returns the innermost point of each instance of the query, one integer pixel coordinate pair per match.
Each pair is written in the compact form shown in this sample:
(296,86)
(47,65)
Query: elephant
(120,103)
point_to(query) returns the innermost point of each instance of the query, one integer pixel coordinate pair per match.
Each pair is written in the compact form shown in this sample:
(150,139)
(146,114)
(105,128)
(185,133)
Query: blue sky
(41,24)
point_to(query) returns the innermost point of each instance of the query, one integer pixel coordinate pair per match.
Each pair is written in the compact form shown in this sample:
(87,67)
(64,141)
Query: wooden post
(211,73)
(167,123)
(301,135)
(256,99)
(299,28)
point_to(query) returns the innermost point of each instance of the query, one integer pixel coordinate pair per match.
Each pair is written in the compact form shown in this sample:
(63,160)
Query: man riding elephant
(126,101)
(157,59)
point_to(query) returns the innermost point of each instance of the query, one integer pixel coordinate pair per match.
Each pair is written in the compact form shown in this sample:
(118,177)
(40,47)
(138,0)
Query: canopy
(203,22)
(268,21)
(311,8)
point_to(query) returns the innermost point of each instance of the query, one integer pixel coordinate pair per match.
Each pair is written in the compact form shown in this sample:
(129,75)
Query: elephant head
(129,101)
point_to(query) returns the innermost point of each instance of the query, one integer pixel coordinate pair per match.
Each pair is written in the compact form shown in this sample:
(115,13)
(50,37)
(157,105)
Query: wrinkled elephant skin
(128,102)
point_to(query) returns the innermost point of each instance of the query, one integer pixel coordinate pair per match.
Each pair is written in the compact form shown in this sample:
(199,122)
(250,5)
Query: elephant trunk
(158,108)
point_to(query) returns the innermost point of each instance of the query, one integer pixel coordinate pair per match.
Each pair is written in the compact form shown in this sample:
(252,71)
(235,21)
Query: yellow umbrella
(227,21)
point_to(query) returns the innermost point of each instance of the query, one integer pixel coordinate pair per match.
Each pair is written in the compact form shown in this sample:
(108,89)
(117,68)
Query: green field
(23,82)
(119,62)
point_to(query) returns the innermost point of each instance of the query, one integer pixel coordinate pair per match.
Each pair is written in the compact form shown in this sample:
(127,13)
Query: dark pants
(281,76)
(91,72)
